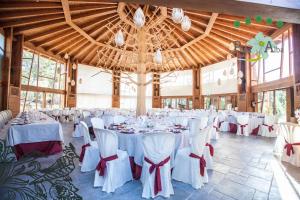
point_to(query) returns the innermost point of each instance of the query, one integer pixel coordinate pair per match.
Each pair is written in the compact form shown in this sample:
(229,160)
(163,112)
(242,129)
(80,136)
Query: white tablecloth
(41,131)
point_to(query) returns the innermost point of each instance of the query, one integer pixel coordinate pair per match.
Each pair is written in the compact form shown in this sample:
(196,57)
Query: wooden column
(8,34)
(71,89)
(16,75)
(296,64)
(197,99)
(116,76)
(244,95)
(156,101)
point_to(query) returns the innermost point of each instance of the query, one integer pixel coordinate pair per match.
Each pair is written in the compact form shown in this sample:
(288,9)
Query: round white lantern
(73,82)
(177,15)
(74,67)
(66,56)
(186,23)
(139,18)
(119,38)
(240,81)
(158,57)
(240,74)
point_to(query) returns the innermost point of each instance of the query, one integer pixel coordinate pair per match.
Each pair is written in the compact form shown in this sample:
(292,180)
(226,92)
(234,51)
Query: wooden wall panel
(296,50)
(116,77)
(156,99)
(197,97)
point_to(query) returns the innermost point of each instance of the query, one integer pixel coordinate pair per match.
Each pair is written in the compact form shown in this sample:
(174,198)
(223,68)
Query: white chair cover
(187,168)
(204,122)
(86,114)
(243,121)
(118,170)
(91,152)
(194,125)
(97,123)
(215,129)
(288,143)
(157,148)
(268,128)
(209,149)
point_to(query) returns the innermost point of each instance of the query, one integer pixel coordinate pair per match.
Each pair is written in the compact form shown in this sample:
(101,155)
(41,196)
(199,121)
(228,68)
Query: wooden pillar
(244,95)
(296,63)
(156,101)
(8,34)
(197,100)
(116,77)
(72,85)
(16,75)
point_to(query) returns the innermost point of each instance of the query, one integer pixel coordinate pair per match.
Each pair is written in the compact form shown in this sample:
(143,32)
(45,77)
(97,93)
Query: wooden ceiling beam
(206,51)
(48,33)
(217,44)
(216,51)
(21,5)
(226,38)
(197,58)
(8,15)
(29,20)
(231,31)
(40,25)
(54,37)
(65,48)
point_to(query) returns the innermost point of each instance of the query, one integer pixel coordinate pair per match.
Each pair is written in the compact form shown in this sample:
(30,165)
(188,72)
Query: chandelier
(119,38)
(139,18)
(158,59)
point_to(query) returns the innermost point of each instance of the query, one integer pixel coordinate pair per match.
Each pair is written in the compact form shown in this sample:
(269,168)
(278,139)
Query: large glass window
(39,71)
(1,62)
(279,63)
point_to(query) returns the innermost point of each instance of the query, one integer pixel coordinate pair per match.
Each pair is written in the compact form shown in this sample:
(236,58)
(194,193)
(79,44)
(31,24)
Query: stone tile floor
(244,168)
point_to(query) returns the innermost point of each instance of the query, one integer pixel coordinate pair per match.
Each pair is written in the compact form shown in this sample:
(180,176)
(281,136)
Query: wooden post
(71,91)
(8,34)
(296,64)
(16,75)
(197,99)
(156,101)
(116,77)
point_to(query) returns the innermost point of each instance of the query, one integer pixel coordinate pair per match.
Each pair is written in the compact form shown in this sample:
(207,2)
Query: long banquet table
(42,134)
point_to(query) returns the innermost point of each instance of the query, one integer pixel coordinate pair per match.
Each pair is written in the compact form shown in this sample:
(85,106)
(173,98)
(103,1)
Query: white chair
(209,149)
(119,119)
(204,122)
(190,164)
(268,129)
(86,114)
(97,123)
(291,148)
(215,129)
(156,171)
(194,125)
(113,169)
(243,128)
(89,156)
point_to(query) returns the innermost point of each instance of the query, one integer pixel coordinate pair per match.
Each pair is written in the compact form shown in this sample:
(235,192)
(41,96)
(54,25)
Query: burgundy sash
(289,147)
(211,149)
(83,148)
(202,162)
(270,127)
(242,127)
(157,181)
(102,163)
(220,123)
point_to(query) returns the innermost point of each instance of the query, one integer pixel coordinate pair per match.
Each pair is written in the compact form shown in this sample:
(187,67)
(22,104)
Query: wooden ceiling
(85,29)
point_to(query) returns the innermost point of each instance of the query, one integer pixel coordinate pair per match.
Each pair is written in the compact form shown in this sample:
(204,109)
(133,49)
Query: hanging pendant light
(240,74)
(158,59)
(177,15)
(66,56)
(119,38)
(139,18)
(186,23)
(74,66)
(240,81)
(73,82)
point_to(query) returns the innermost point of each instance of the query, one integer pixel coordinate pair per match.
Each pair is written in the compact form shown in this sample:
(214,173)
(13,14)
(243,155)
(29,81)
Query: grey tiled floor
(243,169)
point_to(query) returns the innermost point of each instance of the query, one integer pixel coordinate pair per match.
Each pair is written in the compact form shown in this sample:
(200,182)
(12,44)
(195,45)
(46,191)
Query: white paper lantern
(74,67)
(139,18)
(66,56)
(119,38)
(240,74)
(177,15)
(158,59)
(186,23)
(73,82)
(240,81)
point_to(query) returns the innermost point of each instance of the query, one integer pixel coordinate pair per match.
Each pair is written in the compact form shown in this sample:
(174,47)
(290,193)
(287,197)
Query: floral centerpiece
(297,115)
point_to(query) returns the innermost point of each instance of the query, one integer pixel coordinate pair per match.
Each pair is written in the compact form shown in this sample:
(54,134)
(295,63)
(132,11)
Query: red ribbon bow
(270,127)
(211,149)
(102,163)
(157,181)
(289,147)
(83,148)
(242,127)
(202,162)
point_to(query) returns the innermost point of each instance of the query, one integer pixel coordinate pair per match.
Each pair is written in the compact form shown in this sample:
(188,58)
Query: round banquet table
(132,143)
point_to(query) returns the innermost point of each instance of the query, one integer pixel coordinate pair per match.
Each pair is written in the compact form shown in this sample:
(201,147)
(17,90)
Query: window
(1,62)
(278,65)
(128,91)
(177,102)
(40,71)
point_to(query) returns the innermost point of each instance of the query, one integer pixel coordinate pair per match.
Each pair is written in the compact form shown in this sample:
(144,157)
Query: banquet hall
(139,99)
